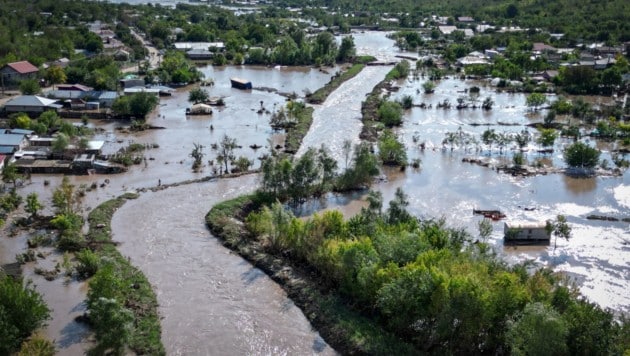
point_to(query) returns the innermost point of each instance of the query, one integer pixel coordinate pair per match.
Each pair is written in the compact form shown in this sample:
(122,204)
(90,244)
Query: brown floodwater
(212,302)
(256,315)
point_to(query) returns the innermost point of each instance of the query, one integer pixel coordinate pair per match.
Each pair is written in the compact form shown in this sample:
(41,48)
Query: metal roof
(30,100)
(11,139)
(23,67)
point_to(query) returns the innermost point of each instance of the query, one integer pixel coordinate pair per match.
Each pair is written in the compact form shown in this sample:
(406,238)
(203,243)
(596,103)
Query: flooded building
(526,231)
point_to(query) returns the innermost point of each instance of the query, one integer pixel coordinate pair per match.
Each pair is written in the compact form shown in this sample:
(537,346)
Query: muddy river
(215,303)
(212,302)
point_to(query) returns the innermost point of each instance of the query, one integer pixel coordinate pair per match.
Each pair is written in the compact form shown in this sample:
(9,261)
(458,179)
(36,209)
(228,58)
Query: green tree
(534,100)
(363,169)
(197,95)
(22,311)
(390,150)
(141,104)
(60,143)
(347,51)
(547,137)
(225,151)
(488,137)
(197,155)
(390,113)
(539,331)
(559,228)
(428,86)
(10,174)
(32,204)
(22,121)
(30,87)
(397,212)
(111,321)
(581,155)
(55,75)
(242,164)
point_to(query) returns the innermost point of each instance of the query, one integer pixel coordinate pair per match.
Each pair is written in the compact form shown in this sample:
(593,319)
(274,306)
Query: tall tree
(225,151)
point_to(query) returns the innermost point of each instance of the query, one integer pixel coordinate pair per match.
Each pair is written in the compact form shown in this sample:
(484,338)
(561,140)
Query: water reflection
(579,186)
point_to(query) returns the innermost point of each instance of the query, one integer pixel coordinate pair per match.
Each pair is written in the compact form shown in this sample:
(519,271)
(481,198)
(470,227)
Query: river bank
(346,330)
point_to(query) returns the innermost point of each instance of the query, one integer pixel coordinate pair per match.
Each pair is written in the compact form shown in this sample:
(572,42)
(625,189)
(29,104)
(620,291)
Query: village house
(467,19)
(447,30)
(13,73)
(199,54)
(74,87)
(187,46)
(10,143)
(31,104)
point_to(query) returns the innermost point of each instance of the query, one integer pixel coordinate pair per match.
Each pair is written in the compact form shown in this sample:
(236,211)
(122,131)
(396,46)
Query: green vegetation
(122,306)
(322,93)
(197,95)
(390,150)
(581,155)
(400,70)
(22,311)
(400,272)
(346,330)
(301,118)
(390,113)
(136,106)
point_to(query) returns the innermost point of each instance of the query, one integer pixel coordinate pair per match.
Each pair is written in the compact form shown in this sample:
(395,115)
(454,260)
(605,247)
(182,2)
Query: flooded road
(212,301)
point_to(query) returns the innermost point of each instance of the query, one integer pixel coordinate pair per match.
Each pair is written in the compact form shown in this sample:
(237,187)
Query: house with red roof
(14,73)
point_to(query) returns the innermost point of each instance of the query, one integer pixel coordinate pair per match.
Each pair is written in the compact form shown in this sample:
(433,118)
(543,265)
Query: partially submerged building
(526,232)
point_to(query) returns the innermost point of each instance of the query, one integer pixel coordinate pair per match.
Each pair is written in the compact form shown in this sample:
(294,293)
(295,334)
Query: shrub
(22,311)
(390,113)
(88,263)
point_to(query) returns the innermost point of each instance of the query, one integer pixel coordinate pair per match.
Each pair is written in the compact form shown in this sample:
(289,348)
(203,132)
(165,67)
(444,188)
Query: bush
(390,113)
(37,346)
(88,263)
(581,155)
(22,311)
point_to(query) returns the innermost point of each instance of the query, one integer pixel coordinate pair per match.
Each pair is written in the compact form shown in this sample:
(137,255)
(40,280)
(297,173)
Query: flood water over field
(213,302)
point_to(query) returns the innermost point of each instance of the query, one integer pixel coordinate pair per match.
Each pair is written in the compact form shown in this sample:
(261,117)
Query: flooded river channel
(214,302)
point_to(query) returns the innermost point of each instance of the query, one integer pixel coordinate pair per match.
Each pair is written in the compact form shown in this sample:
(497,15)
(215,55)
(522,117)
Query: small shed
(526,231)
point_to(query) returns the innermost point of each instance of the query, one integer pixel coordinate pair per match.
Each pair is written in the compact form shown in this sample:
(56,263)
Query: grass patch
(365,59)
(322,93)
(346,330)
(137,294)
(296,133)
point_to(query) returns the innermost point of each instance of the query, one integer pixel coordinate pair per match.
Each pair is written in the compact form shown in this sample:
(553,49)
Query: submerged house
(239,83)
(526,232)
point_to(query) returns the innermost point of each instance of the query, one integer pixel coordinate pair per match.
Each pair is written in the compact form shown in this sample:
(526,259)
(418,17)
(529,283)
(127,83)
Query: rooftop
(23,67)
